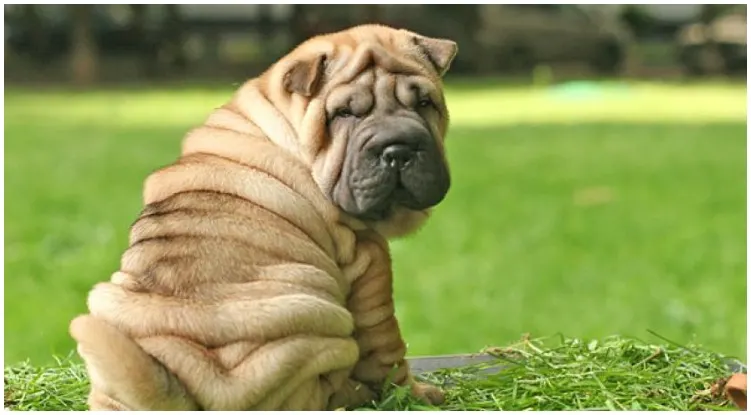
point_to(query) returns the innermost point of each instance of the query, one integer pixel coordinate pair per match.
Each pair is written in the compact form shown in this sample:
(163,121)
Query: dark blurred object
(519,37)
(638,20)
(657,21)
(716,44)
(44,33)
(47,33)
(148,41)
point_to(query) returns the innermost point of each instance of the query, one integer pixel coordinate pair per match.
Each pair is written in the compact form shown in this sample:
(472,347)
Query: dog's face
(379,147)
(394,155)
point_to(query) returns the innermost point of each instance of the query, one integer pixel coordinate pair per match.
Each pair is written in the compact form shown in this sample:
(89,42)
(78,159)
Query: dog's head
(370,115)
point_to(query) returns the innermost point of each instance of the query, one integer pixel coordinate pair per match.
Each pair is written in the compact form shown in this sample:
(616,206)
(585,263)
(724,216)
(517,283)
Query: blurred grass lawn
(569,213)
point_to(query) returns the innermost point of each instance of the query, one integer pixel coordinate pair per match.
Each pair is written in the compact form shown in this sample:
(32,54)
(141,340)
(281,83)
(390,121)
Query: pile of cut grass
(571,374)
(541,374)
(59,387)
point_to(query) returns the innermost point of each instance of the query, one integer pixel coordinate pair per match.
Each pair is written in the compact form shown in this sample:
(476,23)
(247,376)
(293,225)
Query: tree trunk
(84,62)
(175,37)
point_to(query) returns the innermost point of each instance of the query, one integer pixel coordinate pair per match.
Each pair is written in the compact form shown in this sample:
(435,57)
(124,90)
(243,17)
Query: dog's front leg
(382,349)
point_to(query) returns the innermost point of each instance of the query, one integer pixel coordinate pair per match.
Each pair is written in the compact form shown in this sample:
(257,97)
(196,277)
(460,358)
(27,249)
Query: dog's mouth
(375,195)
(377,201)
(375,215)
(399,196)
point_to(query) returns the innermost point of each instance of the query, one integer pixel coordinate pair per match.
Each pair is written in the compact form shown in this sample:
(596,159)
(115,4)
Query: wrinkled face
(394,154)
(372,121)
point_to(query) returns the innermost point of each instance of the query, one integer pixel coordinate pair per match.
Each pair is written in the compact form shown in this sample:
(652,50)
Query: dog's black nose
(397,156)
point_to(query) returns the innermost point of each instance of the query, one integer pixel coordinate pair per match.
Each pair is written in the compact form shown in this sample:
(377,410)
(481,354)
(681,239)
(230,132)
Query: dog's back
(226,285)
(197,237)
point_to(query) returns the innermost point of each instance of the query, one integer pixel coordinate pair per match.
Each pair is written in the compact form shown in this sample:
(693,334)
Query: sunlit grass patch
(476,106)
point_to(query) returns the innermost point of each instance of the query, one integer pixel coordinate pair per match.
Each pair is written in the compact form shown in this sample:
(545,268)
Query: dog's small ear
(304,77)
(440,52)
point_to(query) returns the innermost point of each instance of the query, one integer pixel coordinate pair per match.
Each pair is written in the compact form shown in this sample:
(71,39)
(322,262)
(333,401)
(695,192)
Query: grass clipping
(542,374)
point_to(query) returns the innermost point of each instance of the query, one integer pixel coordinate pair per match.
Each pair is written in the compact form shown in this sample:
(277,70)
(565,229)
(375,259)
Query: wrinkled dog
(258,274)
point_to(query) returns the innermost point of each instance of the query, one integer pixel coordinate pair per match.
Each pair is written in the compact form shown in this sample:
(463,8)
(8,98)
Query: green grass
(546,374)
(582,216)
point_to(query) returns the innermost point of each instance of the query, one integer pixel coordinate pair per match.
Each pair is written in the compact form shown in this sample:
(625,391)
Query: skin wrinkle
(266,173)
(345,172)
(245,286)
(289,225)
(157,237)
(165,239)
(173,316)
(207,172)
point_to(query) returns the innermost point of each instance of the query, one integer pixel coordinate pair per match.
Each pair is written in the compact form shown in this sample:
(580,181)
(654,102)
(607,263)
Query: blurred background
(92,43)
(598,155)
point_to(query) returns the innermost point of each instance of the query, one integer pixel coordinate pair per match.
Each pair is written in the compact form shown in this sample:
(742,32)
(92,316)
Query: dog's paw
(351,395)
(430,394)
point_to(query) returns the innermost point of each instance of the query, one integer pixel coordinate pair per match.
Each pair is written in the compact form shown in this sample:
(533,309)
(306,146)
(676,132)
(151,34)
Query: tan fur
(243,286)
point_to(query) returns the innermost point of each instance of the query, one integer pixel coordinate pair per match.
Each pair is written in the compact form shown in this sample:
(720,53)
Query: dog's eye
(343,113)
(424,103)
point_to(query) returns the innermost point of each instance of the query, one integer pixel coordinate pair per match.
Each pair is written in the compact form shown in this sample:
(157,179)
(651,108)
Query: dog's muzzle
(398,165)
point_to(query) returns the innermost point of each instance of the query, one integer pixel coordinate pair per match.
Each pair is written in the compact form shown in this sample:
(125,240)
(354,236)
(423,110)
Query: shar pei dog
(258,274)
